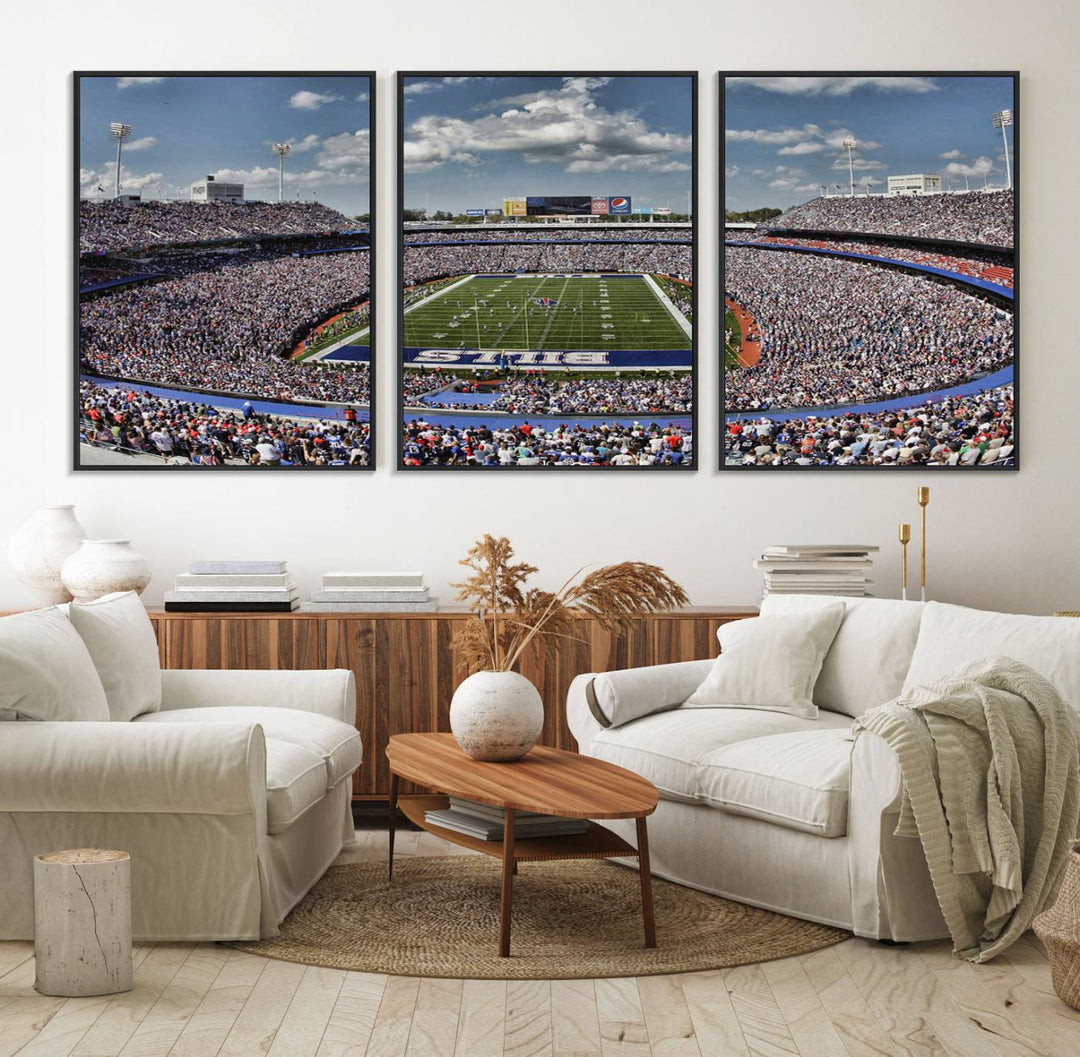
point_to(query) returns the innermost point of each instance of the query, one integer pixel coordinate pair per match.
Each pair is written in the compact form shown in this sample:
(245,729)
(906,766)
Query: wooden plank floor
(857,999)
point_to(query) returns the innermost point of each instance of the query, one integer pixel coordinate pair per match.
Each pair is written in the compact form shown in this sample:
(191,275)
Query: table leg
(393,822)
(646,882)
(506,896)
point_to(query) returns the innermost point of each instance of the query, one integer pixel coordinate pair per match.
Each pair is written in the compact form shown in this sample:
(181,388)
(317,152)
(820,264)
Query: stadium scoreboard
(566,205)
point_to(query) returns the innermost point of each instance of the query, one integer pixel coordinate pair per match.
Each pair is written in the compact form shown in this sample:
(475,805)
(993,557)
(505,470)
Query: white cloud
(345,151)
(140,144)
(363,97)
(731,171)
(952,155)
(421,88)
(858,164)
(564,124)
(130,182)
(131,82)
(806,147)
(309,142)
(980,167)
(835,86)
(770,135)
(305,100)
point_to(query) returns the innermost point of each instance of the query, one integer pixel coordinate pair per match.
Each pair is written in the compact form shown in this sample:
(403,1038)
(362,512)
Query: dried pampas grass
(507,615)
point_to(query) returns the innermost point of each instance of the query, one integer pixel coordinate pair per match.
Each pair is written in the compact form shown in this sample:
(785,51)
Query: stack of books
(234,587)
(371,593)
(486,822)
(817,569)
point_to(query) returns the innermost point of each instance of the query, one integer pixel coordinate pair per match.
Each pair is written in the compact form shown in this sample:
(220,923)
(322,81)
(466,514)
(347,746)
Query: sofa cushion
(120,639)
(952,635)
(770,662)
(870,656)
(45,670)
(336,743)
(295,780)
(668,748)
(799,780)
(622,696)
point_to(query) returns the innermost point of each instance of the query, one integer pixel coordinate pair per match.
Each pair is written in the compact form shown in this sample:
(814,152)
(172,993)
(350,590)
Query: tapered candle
(904,535)
(923,497)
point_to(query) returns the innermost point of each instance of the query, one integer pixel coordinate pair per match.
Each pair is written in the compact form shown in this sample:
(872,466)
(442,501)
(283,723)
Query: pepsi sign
(619,205)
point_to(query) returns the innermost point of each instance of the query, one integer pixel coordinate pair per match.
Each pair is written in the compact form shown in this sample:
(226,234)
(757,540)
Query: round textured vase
(37,551)
(496,715)
(100,567)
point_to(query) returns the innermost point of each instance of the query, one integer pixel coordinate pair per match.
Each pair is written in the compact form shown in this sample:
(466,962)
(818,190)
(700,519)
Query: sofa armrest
(596,701)
(330,692)
(186,768)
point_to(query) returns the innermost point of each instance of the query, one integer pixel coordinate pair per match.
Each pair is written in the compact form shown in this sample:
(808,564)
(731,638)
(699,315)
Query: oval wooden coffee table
(549,781)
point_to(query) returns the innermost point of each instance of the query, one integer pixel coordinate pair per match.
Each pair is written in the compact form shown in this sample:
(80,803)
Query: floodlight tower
(282,150)
(120,133)
(1002,120)
(849,144)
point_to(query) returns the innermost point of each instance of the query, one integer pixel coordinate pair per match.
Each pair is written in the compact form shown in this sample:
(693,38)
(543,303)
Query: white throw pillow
(45,670)
(770,663)
(121,641)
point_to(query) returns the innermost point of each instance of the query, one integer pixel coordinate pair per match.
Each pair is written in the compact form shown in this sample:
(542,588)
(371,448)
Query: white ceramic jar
(37,551)
(496,715)
(100,567)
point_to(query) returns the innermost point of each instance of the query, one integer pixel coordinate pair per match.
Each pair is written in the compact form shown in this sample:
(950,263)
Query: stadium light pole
(119,132)
(849,144)
(1002,120)
(282,150)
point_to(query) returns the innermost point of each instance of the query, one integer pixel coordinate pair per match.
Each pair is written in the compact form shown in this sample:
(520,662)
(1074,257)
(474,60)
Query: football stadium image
(225,323)
(872,324)
(548,330)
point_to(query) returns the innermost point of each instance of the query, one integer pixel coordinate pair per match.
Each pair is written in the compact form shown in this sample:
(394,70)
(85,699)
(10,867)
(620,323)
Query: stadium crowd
(183,432)
(536,395)
(835,331)
(972,430)
(622,233)
(421,263)
(991,267)
(225,323)
(970,216)
(111,225)
(528,444)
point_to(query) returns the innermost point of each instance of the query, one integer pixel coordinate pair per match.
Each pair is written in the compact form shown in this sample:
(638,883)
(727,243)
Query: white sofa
(794,814)
(232,796)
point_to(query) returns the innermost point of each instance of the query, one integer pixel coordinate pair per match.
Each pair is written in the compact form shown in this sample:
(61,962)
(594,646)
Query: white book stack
(486,822)
(360,592)
(234,587)
(817,569)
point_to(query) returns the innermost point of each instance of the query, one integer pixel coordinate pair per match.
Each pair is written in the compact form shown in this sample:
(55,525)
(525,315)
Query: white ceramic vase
(496,715)
(37,551)
(100,567)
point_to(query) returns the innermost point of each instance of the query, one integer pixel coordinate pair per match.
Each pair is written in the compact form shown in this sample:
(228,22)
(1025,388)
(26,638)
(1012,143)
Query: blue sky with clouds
(782,134)
(470,142)
(187,127)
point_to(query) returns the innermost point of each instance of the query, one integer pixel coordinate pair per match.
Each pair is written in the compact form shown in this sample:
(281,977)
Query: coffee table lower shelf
(596,842)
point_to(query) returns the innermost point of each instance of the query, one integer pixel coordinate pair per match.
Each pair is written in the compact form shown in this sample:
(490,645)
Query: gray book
(347,579)
(370,607)
(226,595)
(360,594)
(242,568)
(245,582)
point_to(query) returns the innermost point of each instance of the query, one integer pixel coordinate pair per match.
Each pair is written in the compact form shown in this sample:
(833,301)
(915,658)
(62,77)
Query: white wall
(996,539)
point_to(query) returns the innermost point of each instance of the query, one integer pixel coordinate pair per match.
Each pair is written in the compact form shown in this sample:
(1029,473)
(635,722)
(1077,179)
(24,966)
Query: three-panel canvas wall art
(546,265)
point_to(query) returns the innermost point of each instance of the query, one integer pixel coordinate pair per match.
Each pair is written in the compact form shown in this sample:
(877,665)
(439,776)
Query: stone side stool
(82,922)
(1059,929)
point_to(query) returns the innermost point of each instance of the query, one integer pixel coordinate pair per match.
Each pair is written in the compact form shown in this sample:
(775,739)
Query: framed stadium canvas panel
(547,255)
(225,263)
(870,271)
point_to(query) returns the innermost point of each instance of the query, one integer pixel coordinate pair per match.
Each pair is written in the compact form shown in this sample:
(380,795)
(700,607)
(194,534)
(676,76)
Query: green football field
(584,313)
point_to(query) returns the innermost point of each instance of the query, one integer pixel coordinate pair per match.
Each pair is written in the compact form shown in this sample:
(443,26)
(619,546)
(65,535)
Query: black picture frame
(399,403)
(932,470)
(372,88)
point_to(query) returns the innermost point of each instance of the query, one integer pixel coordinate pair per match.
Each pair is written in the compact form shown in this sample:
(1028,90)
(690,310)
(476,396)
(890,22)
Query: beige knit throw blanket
(990,761)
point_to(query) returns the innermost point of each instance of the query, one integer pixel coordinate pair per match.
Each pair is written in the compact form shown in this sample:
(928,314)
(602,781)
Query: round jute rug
(575,918)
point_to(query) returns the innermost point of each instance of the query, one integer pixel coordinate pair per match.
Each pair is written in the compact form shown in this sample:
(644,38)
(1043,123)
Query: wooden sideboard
(406,667)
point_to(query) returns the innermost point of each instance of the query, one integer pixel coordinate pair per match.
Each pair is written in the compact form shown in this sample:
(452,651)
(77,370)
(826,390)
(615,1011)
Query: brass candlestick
(923,496)
(904,535)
